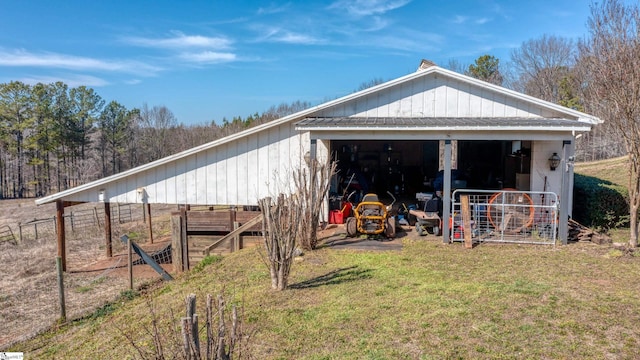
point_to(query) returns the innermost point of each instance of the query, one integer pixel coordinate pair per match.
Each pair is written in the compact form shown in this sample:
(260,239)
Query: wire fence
(511,216)
(77,221)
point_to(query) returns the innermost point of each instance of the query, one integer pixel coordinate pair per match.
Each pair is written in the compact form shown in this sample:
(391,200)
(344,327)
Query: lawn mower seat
(434,205)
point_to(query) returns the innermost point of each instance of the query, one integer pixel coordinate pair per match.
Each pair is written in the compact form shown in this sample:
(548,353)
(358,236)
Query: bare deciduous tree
(542,64)
(610,64)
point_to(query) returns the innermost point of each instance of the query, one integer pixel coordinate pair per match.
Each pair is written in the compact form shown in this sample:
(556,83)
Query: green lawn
(429,301)
(615,170)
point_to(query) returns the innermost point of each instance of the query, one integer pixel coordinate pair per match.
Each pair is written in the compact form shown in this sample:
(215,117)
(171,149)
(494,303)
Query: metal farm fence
(37,229)
(77,220)
(507,216)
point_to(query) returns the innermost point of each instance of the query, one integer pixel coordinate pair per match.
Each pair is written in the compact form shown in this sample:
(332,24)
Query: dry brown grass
(28,285)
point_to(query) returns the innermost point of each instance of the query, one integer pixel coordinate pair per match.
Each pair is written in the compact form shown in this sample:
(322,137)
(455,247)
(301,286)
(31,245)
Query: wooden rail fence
(198,233)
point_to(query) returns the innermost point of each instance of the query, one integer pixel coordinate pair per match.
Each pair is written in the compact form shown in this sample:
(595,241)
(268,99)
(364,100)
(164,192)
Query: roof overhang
(441,124)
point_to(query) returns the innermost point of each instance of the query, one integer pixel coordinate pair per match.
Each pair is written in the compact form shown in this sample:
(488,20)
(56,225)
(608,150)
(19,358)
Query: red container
(346,210)
(336,217)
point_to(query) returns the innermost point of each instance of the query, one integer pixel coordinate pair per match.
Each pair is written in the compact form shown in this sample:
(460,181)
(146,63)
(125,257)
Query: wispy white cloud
(459,19)
(377,23)
(71,80)
(208,57)
(23,58)
(273,9)
(279,35)
(133,82)
(462,19)
(401,41)
(178,40)
(368,7)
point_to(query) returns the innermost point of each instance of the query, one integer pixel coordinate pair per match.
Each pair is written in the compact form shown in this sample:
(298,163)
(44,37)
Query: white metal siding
(236,173)
(437,96)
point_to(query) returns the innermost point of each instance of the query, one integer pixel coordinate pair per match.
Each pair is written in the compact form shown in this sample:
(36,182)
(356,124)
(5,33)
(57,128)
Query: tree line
(53,137)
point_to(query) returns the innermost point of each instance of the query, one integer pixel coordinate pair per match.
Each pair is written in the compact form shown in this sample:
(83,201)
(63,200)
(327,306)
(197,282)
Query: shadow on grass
(334,277)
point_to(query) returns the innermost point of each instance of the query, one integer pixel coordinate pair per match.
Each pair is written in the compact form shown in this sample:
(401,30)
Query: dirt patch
(28,285)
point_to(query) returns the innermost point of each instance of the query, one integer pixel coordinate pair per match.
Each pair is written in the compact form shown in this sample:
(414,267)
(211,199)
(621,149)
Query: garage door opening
(405,168)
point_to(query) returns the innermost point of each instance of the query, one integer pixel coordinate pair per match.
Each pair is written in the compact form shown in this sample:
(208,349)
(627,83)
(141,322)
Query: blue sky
(206,60)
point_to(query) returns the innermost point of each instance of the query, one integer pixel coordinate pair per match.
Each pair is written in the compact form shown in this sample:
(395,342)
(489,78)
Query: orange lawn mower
(371,218)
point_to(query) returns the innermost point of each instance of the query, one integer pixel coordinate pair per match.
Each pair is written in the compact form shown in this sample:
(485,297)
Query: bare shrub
(313,185)
(170,343)
(282,217)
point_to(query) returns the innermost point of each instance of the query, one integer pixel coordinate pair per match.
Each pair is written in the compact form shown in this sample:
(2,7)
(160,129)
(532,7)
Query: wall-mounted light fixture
(307,158)
(101,195)
(554,161)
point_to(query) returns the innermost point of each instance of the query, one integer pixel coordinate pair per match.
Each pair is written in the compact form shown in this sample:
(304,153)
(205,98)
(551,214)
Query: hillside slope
(428,301)
(615,170)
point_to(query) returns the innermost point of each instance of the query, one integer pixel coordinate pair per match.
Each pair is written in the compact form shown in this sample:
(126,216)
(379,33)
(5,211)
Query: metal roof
(436,124)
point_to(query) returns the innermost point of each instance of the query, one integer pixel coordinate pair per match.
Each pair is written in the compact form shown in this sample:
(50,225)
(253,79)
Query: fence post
(60,230)
(176,243)
(130,262)
(107,228)
(63,312)
(150,225)
(184,238)
(236,239)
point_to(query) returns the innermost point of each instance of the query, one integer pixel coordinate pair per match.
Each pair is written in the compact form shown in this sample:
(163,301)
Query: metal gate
(507,216)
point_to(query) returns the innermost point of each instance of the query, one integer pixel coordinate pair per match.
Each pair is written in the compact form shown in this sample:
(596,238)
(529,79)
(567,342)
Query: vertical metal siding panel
(211,175)
(221,178)
(241,171)
(151,185)
(361,107)
(475,102)
(232,172)
(440,98)
(350,108)
(295,147)
(287,163)
(253,174)
(498,106)
(487,104)
(382,108)
(132,183)
(417,98)
(452,100)
(274,161)
(191,179)
(201,177)
(391,102)
(510,109)
(171,183)
(181,183)
(406,92)
(372,105)
(464,100)
(121,188)
(429,97)
(161,184)
(264,177)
